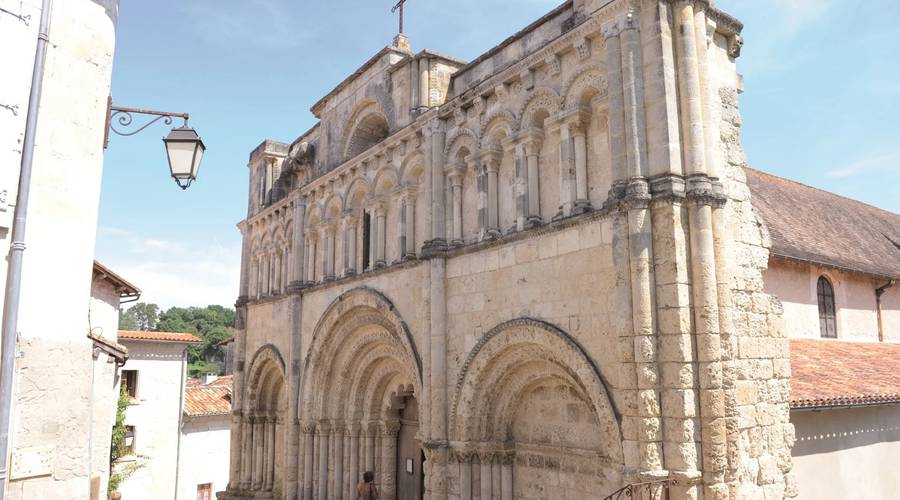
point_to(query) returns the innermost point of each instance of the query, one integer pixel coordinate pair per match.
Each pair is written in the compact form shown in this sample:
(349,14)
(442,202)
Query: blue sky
(821,101)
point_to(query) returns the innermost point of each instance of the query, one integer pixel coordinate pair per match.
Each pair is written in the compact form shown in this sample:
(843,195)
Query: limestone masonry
(534,275)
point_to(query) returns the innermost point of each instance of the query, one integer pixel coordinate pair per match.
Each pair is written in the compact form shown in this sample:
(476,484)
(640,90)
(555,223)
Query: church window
(367,238)
(825,295)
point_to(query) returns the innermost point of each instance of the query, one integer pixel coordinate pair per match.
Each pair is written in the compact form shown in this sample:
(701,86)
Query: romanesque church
(518,277)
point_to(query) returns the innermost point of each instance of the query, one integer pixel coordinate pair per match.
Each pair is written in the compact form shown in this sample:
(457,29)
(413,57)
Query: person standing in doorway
(366,490)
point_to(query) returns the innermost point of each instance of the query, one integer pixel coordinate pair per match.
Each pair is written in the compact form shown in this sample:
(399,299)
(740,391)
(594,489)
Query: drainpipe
(17,248)
(878,293)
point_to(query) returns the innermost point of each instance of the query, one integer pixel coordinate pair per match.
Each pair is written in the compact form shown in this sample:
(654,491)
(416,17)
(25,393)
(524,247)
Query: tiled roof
(826,373)
(158,336)
(211,399)
(124,288)
(812,225)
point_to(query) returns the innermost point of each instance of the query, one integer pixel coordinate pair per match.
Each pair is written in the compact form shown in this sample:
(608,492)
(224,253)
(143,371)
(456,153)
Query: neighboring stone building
(526,276)
(53,451)
(108,292)
(835,266)
(205,438)
(155,380)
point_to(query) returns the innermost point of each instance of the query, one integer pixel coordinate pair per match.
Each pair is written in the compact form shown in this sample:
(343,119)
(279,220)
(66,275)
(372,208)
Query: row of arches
(527,394)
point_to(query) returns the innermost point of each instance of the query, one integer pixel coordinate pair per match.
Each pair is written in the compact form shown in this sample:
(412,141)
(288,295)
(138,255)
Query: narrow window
(204,491)
(129,380)
(367,236)
(129,439)
(827,323)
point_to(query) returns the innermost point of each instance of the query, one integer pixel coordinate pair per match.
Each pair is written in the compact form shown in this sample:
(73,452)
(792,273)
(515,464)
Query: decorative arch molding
(497,118)
(458,137)
(509,358)
(414,162)
(385,174)
(266,371)
(368,125)
(588,80)
(541,98)
(359,333)
(357,185)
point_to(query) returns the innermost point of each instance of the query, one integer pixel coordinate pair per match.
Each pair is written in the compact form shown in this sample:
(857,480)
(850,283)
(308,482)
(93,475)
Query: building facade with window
(155,375)
(205,438)
(525,276)
(835,267)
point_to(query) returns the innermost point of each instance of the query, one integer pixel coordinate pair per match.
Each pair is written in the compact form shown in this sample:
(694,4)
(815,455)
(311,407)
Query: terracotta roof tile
(812,225)
(841,373)
(211,399)
(160,336)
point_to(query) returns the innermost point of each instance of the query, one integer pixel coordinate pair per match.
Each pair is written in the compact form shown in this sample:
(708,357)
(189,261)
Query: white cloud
(172,273)
(796,14)
(262,23)
(890,161)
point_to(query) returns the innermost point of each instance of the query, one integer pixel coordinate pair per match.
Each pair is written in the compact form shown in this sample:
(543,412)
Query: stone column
(611,33)
(438,138)
(507,460)
(578,129)
(423,83)
(533,152)
(257,478)
(521,186)
(338,432)
(410,226)
(371,431)
(390,429)
(566,171)
(328,259)
(455,176)
(486,483)
(482,201)
(495,476)
(299,244)
(311,258)
(354,476)
(350,224)
(324,430)
(271,423)
(633,92)
(234,458)
(690,88)
(380,239)
(246,264)
(464,459)
(246,452)
(308,442)
(491,168)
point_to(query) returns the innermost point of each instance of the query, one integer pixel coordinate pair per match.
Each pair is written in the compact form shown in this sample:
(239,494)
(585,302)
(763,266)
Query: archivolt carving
(499,118)
(459,138)
(358,337)
(583,86)
(265,376)
(413,165)
(367,126)
(513,356)
(543,98)
(358,190)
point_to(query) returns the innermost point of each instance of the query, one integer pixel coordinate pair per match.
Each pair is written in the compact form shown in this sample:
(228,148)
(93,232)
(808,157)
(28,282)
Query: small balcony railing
(650,490)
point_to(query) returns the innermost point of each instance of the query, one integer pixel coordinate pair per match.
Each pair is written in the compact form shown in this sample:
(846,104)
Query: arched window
(825,294)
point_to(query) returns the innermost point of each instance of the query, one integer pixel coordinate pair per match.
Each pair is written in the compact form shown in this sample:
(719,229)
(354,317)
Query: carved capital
(464,456)
(554,64)
(583,48)
(391,428)
(323,428)
(456,173)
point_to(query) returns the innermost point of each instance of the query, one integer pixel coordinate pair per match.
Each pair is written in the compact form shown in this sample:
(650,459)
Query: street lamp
(184,148)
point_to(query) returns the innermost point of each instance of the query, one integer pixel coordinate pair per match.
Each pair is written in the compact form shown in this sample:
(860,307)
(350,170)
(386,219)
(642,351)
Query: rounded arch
(458,138)
(368,125)
(512,358)
(412,168)
(358,190)
(498,123)
(584,86)
(386,179)
(265,379)
(541,103)
(333,206)
(360,344)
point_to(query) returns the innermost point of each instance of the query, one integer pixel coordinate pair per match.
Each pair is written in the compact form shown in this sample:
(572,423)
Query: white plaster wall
(104,319)
(205,445)
(155,415)
(50,449)
(854,296)
(847,453)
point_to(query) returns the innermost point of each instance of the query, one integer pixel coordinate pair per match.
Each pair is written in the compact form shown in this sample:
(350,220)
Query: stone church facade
(534,275)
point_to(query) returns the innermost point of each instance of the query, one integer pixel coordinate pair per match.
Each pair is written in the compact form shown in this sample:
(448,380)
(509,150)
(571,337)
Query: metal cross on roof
(399,7)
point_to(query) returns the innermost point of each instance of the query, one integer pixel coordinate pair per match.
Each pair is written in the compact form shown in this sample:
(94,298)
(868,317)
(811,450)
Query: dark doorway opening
(410,458)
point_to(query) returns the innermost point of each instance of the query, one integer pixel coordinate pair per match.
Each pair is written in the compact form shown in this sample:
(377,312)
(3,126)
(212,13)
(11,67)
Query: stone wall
(51,450)
(204,454)
(560,263)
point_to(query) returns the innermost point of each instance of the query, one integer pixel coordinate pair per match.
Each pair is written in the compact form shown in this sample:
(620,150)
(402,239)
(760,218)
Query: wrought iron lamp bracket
(124,118)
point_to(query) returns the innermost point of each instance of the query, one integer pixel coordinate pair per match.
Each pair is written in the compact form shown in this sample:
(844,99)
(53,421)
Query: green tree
(213,324)
(141,316)
(118,448)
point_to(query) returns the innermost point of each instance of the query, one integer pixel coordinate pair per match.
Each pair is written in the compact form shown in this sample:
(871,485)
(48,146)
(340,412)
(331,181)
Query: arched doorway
(263,424)
(410,458)
(361,380)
